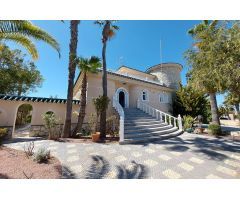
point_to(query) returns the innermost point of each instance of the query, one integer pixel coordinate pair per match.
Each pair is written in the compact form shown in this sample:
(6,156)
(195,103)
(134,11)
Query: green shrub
(42,155)
(215,129)
(3,133)
(51,123)
(188,122)
(101,105)
(86,131)
(112,126)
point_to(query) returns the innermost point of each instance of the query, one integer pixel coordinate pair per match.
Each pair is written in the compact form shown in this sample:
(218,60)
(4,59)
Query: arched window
(145,95)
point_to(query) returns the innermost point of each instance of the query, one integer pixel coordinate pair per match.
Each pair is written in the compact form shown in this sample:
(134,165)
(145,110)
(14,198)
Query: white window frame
(164,97)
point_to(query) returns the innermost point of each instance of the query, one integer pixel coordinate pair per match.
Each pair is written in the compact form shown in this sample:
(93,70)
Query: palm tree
(71,74)
(86,66)
(205,33)
(22,32)
(108,31)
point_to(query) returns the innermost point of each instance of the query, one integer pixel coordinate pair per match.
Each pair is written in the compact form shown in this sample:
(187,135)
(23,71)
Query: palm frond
(27,29)
(20,39)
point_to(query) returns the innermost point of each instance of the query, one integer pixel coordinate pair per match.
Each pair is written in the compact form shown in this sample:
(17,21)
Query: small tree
(86,66)
(101,104)
(51,122)
(189,101)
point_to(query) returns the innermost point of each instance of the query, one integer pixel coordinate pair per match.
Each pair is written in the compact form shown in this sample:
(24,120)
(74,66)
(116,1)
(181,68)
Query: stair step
(142,122)
(151,139)
(149,133)
(140,125)
(146,129)
(143,127)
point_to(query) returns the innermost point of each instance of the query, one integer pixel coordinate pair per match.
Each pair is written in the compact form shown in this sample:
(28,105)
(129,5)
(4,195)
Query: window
(163,97)
(144,95)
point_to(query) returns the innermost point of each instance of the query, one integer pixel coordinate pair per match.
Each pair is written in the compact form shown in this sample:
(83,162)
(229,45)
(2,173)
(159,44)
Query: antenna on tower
(161,54)
(120,61)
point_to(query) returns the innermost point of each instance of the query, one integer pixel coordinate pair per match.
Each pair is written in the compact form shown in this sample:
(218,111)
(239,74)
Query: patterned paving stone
(171,174)
(77,168)
(72,158)
(111,174)
(72,151)
(53,148)
(155,160)
(125,148)
(89,148)
(235,157)
(226,170)
(212,176)
(120,158)
(196,160)
(164,157)
(150,151)
(112,151)
(232,163)
(71,145)
(136,154)
(150,163)
(175,153)
(186,166)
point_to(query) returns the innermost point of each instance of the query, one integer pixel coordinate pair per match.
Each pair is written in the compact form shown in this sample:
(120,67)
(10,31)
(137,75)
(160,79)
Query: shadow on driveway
(100,167)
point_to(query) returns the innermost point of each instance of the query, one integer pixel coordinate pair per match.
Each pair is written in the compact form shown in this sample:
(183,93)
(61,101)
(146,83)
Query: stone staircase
(141,127)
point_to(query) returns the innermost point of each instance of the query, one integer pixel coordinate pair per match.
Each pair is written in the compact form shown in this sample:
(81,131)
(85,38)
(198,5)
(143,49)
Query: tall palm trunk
(103,115)
(214,108)
(71,75)
(82,110)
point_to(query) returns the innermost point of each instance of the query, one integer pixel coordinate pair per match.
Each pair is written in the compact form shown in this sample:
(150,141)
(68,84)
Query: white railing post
(161,116)
(120,111)
(180,122)
(121,129)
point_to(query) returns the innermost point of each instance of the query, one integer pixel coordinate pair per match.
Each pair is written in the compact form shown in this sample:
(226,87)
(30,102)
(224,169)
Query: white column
(180,122)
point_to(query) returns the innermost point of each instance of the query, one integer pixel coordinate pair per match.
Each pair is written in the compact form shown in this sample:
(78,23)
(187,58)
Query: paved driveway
(187,156)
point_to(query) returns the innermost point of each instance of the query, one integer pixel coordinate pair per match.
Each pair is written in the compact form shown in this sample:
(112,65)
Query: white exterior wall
(168,75)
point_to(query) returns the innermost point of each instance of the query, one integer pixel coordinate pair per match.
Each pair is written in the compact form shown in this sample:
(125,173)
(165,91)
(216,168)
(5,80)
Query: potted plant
(100,104)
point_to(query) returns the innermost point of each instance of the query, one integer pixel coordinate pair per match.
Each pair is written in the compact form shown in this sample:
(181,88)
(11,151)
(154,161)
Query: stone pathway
(187,156)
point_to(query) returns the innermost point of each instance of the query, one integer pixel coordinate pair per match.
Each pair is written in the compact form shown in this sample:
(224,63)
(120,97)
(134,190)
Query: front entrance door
(122,99)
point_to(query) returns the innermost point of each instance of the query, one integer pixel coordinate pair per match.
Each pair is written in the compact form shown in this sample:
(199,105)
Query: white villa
(128,89)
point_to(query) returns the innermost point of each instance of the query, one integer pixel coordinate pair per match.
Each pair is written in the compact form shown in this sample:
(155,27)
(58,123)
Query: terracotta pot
(200,130)
(95,136)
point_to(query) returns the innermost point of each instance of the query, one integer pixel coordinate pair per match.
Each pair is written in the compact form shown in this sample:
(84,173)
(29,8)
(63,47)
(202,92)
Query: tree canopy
(18,76)
(189,101)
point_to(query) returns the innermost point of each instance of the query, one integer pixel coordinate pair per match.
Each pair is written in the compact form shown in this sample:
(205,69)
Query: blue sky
(137,45)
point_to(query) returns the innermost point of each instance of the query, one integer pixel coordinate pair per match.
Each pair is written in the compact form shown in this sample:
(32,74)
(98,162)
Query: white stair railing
(160,115)
(120,111)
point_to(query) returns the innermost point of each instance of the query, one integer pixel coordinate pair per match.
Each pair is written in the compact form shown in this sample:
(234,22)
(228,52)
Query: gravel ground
(15,165)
